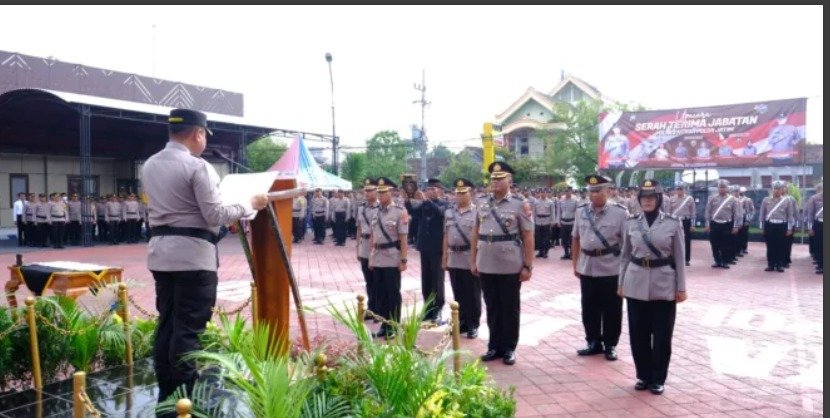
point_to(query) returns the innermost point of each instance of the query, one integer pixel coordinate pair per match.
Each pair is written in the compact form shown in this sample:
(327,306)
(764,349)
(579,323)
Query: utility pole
(335,141)
(421,141)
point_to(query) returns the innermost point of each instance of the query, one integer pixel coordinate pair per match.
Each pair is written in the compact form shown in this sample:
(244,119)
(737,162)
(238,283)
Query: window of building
(524,148)
(74,184)
(18,183)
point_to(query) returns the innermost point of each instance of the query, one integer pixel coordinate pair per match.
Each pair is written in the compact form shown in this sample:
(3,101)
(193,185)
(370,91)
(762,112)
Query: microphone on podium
(218,154)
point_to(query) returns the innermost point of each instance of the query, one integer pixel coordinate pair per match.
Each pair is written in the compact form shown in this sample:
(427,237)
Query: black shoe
(779,269)
(716,265)
(724,266)
(509,357)
(472,333)
(733,262)
(611,353)
(687,264)
(787,265)
(641,385)
(491,355)
(740,254)
(656,389)
(820,271)
(538,255)
(590,349)
(565,257)
(769,269)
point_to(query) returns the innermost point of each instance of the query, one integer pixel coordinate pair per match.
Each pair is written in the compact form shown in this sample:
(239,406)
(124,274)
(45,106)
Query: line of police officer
(58,221)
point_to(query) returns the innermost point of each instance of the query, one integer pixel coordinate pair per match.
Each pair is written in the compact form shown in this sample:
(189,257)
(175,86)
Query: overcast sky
(478,60)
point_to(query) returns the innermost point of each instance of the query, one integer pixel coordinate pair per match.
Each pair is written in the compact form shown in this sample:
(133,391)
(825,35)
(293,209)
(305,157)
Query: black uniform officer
(430,215)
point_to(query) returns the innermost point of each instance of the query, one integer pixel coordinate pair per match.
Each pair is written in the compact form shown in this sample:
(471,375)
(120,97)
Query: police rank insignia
(593,180)
(460,183)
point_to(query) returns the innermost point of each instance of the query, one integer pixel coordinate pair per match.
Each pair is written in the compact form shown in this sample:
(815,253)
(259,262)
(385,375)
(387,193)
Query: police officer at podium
(186,213)
(597,237)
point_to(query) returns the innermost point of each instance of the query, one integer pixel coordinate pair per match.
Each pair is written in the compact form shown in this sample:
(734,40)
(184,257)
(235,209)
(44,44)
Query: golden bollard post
(456,338)
(320,363)
(78,387)
(184,407)
(33,347)
(125,318)
(361,307)
(254,303)
(361,312)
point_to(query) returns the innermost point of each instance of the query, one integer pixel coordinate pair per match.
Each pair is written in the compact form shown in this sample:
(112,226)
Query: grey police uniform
(790,239)
(683,208)
(339,207)
(748,210)
(89,216)
(319,213)
(186,213)
(389,226)
(73,230)
(113,216)
(365,214)
(650,282)
(131,213)
(544,215)
(58,216)
(499,260)
(598,266)
(567,217)
(775,219)
(32,238)
(814,216)
(466,287)
(299,210)
(723,213)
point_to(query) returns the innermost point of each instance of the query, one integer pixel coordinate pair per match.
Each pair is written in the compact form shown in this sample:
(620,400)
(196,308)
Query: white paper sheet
(238,188)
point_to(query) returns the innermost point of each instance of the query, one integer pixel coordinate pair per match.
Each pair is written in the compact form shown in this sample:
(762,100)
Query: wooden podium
(271,269)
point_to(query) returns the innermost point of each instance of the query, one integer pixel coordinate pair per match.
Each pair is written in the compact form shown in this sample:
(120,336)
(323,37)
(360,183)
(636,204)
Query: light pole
(334,140)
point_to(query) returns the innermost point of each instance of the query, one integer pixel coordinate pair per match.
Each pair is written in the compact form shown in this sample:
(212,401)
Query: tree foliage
(354,168)
(440,151)
(386,154)
(263,153)
(462,166)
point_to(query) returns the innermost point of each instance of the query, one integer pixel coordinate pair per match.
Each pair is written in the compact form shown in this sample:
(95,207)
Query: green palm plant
(84,332)
(259,371)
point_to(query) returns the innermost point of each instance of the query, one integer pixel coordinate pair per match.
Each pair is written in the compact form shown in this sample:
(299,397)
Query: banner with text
(739,135)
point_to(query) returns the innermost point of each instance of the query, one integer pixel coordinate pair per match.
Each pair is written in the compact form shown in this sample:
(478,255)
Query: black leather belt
(615,249)
(459,248)
(41,217)
(393,244)
(365,236)
(647,263)
(132,213)
(498,238)
(206,235)
(543,216)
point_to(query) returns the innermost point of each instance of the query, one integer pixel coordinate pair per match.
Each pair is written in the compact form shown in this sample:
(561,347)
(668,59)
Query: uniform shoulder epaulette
(634,216)
(520,198)
(579,205)
(670,216)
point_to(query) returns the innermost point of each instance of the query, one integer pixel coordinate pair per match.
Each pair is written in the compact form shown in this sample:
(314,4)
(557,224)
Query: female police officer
(652,280)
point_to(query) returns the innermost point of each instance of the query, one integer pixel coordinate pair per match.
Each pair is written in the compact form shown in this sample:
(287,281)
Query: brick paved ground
(747,343)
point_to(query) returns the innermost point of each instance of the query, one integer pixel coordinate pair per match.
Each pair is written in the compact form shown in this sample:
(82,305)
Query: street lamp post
(334,140)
